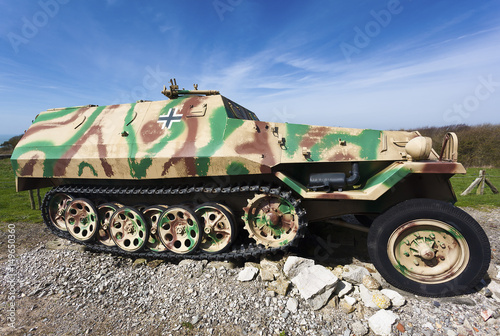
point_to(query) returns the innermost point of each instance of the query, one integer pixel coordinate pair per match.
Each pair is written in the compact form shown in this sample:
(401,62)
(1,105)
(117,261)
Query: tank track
(243,251)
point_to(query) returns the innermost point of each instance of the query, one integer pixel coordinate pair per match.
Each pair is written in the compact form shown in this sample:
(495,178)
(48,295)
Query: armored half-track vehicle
(200,176)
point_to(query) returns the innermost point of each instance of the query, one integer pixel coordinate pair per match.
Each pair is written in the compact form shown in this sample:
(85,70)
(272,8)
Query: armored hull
(200,175)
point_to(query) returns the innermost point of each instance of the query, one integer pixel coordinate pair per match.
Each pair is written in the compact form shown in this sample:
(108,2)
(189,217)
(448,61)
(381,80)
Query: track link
(243,251)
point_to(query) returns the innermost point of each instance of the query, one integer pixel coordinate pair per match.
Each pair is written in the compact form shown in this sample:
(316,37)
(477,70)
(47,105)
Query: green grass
(461,182)
(14,206)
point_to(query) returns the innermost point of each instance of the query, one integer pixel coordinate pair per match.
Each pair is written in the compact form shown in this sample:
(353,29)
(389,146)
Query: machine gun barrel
(174,92)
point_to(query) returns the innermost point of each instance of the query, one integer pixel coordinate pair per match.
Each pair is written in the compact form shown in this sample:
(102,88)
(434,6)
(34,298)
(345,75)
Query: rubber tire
(388,222)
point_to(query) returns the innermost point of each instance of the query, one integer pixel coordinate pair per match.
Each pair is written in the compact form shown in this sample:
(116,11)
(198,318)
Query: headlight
(419,148)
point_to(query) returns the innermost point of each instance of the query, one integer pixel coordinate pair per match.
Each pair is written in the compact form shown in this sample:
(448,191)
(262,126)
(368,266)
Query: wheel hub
(178,230)
(428,251)
(181,229)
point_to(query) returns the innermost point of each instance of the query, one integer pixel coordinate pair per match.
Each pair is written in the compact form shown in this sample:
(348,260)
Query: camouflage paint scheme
(194,169)
(207,136)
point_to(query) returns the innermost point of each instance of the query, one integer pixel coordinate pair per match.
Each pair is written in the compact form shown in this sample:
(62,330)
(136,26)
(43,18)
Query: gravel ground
(66,291)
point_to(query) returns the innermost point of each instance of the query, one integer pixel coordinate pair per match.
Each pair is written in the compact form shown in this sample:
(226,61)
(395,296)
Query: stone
(367,297)
(428,325)
(347,306)
(354,274)
(325,332)
(486,314)
(380,279)
(186,262)
(459,301)
(294,265)
(350,300)
(486,292)
(271,266)
(400,327)
(450,332)
(195,319)
(334,302)
(269,270)
(221,264)
(155,263)
(316,284)
(266,275)
(292,305)
(494,287)
(343,288)
(338,270)
(76,247)
(359,328)
(248,273)
(320,300)
(382,301)
(57,244)
(62,244)
(138,262)
(252,264)
(370,282)
(381,322)
(279,286)
(397,299)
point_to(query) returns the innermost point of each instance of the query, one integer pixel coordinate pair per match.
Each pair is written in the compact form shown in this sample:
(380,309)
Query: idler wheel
(179,230)
(57,209)
(219,227)
(152,215)
(271,220)
(129,229)
(105,212)
(81,219)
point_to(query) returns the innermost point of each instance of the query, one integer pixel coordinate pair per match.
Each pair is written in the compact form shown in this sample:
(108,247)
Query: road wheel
(128,229)
(179,230)
(429,247)
(219,227)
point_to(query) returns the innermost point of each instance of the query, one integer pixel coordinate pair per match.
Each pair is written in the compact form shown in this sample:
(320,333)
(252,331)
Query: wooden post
(32,200)
(480,182)
(39,199)
(480,188)
(492,187)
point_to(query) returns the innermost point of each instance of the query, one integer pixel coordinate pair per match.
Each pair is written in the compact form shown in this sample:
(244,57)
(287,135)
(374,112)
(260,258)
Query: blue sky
(364,64)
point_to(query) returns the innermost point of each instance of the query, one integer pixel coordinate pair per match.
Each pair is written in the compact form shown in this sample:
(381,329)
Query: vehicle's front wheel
(429,247)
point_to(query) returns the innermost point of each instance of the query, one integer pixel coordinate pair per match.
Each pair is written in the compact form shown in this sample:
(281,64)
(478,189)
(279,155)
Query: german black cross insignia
(168,119)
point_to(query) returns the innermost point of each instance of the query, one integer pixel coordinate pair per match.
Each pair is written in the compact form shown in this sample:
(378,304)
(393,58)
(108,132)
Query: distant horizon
(6,137)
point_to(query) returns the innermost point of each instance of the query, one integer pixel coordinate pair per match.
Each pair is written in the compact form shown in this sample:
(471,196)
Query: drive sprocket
(271,220)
